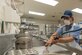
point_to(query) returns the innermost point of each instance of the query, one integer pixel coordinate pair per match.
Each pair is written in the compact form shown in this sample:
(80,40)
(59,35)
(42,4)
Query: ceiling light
(77,10)
(36,13)
(49,2)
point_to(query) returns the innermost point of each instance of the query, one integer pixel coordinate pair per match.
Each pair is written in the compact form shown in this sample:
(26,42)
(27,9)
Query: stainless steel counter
(38,46)
(6,42)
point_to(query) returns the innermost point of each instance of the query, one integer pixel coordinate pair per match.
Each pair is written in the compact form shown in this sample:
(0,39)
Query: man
(72,38)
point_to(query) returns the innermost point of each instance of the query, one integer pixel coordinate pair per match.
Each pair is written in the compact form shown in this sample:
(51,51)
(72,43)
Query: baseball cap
(67,13)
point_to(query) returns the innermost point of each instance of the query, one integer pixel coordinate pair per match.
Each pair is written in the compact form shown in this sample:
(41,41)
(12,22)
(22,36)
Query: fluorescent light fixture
(49,2)
(77,10)
(36,13)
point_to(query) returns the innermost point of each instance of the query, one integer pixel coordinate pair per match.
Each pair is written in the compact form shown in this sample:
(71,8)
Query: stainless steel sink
(58,49)
(38,45)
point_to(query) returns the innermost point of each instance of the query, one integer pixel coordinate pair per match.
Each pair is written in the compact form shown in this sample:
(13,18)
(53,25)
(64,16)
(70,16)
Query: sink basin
(39,47)
(53,50)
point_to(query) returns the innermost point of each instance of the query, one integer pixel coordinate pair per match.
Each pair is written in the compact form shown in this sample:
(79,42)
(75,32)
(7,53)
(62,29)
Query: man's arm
(51,40)
(58,32)
(65,39)
(53,36)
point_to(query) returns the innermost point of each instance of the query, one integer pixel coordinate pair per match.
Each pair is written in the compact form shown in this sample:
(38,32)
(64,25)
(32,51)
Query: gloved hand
(49,43)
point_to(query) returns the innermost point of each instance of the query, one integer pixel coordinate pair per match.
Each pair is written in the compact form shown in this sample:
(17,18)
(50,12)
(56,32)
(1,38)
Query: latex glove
(49,43)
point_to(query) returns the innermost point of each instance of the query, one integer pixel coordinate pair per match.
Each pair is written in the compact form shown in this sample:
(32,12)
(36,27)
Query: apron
(72,46)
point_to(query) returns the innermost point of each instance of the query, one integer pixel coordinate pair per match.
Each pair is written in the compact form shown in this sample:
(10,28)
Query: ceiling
(50,11)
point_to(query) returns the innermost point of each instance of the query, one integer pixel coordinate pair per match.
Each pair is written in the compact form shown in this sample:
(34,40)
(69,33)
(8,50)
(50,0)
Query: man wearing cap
(72,38)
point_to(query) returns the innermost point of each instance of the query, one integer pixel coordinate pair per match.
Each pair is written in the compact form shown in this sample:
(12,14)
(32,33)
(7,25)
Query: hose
(71,31)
